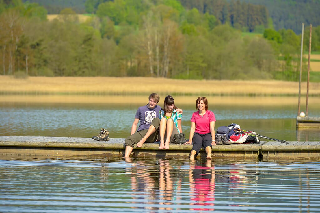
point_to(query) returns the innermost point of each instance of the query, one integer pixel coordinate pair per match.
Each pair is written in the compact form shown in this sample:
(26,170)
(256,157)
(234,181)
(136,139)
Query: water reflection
(202,185)
(308,134)
(160,181)
(159,185)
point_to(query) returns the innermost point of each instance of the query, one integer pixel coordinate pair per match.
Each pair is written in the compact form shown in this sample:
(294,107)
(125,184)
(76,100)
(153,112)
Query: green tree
(11,25)
(107,28)
(194,17)
(272,35)
(196,65)
(210,21)
(22,54)
(116,11)
(2,6)
(106,57)
(84,59)
(290,38)
(166,13)
(189,29)
(34,10)
(127,55)
(260,54)
(174,4)
(90,6)
(68,15)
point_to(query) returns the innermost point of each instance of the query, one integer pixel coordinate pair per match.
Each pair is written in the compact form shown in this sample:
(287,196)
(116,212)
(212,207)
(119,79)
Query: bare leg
(193,153)
(208,151)
(128,151)
(163,126)
(208,163)
(151,130)
(169,133)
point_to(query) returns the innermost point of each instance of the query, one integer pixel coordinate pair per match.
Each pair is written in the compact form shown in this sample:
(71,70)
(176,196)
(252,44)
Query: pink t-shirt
(203,122)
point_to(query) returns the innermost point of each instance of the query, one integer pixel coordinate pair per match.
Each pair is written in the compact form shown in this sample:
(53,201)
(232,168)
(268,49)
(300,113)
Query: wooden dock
(40,148)
(308,122)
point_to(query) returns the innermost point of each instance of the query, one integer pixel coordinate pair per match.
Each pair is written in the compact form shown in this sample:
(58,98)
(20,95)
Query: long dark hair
(169,100)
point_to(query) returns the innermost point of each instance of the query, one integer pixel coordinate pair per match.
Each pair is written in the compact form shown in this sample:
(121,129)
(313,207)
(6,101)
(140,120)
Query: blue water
(85,120)
(158,185)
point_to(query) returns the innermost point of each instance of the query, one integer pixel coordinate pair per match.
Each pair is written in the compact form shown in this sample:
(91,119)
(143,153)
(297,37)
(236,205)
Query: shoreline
(135,90)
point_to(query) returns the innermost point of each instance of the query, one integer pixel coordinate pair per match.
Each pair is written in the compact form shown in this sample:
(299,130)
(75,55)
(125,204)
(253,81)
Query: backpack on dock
(222,135)
(233,134)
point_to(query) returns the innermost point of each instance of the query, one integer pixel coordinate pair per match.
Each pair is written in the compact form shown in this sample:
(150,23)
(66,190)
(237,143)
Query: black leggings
(201,140)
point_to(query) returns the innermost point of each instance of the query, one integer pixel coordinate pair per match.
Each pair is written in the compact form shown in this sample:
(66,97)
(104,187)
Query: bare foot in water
(161,145)
(192,155)
(127,159)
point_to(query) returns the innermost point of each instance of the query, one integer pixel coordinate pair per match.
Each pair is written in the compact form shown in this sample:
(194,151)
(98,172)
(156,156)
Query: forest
(159,38)
(284,14)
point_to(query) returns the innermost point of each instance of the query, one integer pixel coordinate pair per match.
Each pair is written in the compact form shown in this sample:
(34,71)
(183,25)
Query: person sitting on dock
(169,122)
(146,115)
(202,133)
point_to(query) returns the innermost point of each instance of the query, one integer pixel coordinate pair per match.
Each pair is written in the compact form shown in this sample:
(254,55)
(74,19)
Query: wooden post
(308,70)
(301,56)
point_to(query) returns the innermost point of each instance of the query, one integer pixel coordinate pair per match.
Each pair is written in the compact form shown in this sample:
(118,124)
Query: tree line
(140,38)
(289,14)
(241,14)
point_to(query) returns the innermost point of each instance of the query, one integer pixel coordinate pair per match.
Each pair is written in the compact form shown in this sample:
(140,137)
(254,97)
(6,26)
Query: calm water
(159,185)
(76,120)
(153,185)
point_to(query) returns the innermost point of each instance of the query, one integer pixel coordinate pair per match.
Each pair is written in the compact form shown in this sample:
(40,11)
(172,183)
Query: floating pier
(308,122)
(41,148)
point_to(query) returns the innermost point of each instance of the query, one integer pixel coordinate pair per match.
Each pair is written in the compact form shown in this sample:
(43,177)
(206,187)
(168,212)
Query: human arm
(180,111)
(179,117)
(212,125)
(179,125)
(134,126)
(192,129)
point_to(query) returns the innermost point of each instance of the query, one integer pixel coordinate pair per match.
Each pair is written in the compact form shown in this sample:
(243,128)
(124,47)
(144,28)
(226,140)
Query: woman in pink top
(202,131)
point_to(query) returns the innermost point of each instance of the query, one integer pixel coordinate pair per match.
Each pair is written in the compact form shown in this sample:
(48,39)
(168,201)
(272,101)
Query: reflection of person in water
(165,184)
(202,184)
(157,182)
(142,183)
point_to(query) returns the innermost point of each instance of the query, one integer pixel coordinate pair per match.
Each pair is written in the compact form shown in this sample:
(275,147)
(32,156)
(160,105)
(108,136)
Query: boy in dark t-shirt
(146,116)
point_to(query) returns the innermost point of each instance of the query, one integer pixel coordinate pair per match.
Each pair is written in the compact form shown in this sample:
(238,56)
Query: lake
(154,185)
(159,185)
(85,120)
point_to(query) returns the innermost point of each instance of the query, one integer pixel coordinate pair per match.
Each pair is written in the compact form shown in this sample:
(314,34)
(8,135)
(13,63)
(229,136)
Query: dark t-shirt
(146,115)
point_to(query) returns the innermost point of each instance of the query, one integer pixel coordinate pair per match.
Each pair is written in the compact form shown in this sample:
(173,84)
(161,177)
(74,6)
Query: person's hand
(188,142)
(213,143)
(180,111)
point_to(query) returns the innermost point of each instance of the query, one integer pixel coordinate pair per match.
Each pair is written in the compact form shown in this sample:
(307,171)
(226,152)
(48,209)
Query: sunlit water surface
(85,120)
(158,185)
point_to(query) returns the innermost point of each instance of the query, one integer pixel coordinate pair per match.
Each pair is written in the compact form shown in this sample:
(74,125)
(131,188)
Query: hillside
(289,14)
(285,14)
(124,38)
(54,7)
